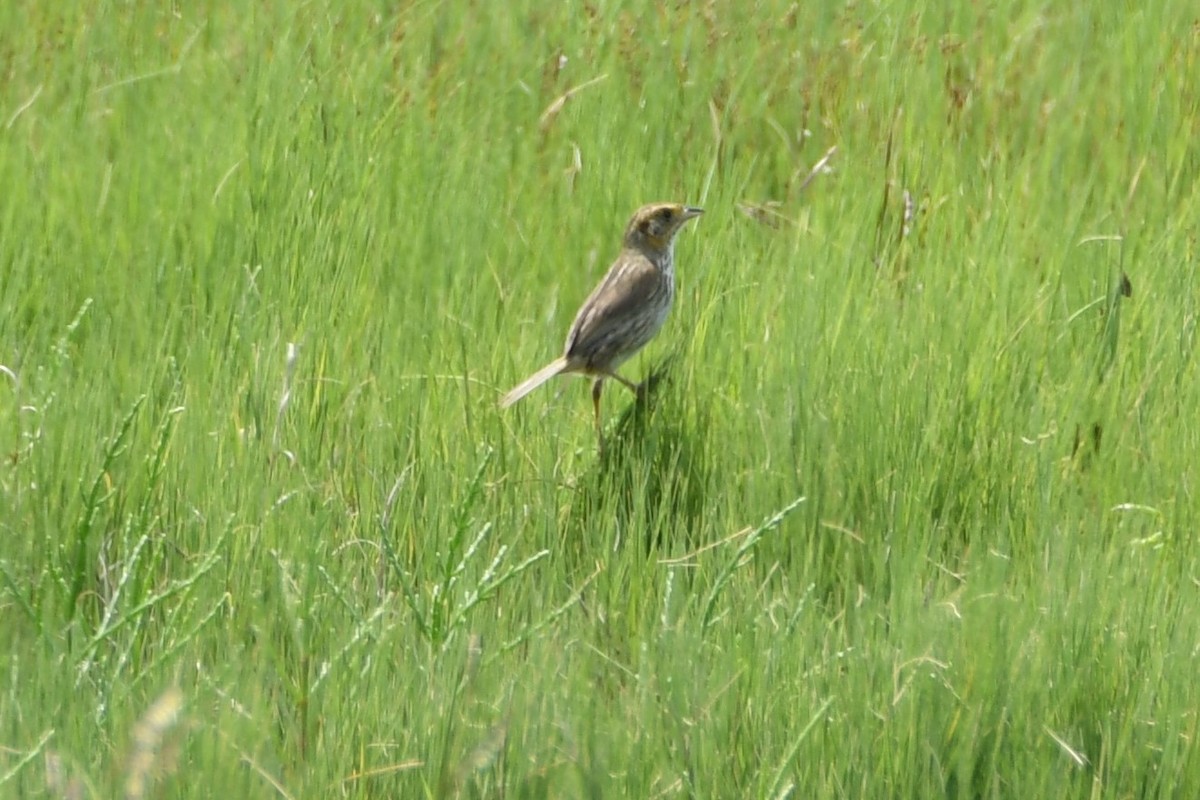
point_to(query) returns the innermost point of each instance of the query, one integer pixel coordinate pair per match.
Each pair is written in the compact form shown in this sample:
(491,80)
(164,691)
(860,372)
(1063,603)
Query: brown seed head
(653,227)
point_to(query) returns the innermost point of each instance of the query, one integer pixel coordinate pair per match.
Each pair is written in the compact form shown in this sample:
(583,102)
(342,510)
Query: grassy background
(912,514)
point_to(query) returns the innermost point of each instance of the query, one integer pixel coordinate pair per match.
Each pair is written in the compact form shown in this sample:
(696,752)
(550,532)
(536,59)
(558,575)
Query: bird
(625,310)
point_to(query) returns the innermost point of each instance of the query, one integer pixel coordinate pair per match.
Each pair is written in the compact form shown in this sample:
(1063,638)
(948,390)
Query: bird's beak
(691,212)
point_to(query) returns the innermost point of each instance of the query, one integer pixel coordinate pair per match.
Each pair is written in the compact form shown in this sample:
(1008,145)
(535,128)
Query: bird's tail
(535,380)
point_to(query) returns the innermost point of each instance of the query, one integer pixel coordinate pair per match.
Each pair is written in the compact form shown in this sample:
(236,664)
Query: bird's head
(652,229)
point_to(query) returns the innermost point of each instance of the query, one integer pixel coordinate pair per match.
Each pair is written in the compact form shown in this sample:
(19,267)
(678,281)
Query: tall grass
(908,513)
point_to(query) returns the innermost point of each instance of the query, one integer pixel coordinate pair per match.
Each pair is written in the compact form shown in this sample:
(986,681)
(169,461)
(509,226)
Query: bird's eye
(665,214)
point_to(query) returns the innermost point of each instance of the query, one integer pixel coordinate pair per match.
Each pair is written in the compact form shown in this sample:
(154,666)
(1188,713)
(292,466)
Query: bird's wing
(620,298)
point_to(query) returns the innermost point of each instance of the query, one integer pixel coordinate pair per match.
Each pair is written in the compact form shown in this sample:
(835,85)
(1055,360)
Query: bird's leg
(597,388)
(630,385)
(638,389)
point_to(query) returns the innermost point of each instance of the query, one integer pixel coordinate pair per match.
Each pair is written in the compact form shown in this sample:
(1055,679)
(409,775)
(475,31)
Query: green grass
(911,513)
